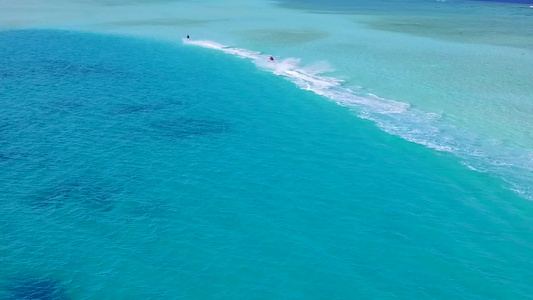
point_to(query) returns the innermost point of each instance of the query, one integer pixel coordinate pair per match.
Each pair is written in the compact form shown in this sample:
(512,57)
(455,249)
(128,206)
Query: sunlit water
(384,153)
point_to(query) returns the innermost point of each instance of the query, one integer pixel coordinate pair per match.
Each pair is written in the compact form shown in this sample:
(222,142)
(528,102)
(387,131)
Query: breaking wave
(398,118)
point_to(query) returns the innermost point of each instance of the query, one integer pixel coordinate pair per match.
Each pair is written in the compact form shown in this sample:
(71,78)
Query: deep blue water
(138,169)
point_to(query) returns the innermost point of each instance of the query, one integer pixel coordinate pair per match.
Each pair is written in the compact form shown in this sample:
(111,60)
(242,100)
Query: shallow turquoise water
(138,169)
(453,75)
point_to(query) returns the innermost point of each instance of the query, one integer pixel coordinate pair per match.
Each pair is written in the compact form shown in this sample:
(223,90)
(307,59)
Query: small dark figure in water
(187,36)
(271,58)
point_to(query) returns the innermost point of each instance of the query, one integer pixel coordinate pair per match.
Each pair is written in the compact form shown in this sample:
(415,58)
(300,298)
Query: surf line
(308,78)
(394,117)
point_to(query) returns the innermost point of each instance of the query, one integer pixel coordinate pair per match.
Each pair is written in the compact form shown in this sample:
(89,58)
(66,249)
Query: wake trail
(398,118)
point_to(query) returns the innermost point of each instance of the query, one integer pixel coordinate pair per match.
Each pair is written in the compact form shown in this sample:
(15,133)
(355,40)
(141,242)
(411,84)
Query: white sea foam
(394,117)
(471,167)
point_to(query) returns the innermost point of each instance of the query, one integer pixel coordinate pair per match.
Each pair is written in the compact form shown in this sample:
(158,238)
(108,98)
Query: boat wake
(398,118)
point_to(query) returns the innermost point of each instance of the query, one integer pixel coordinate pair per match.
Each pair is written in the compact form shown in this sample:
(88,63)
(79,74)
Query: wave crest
(396,118)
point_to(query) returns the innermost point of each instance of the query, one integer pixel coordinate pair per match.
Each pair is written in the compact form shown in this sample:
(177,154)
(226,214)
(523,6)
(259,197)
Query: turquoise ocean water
(385,154)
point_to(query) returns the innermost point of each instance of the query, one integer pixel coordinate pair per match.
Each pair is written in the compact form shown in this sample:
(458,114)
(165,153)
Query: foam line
(396,118)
